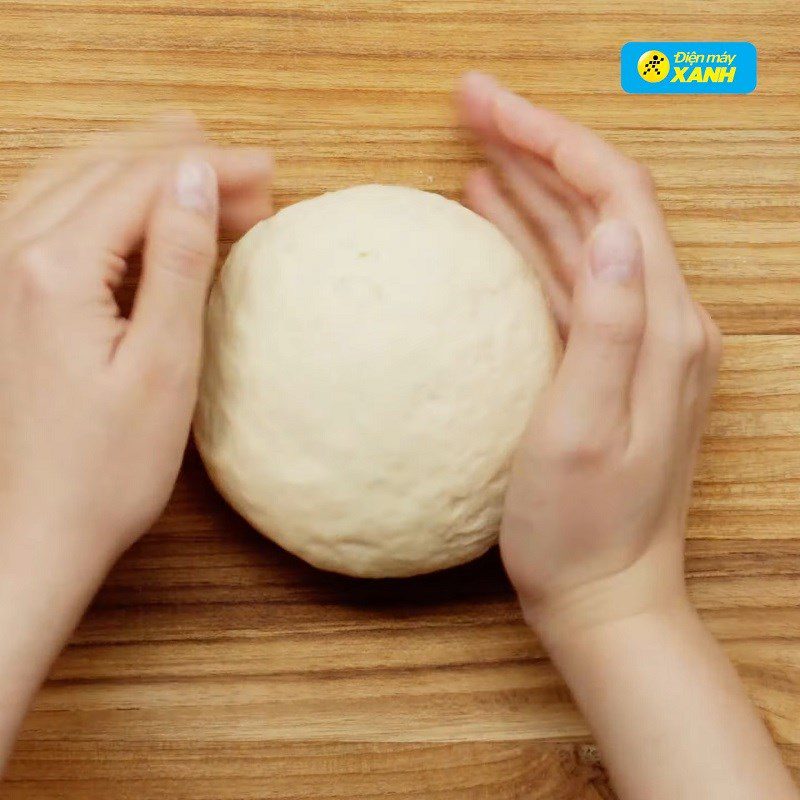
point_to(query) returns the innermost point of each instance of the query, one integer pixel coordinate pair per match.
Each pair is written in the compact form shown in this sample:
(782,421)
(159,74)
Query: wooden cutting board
(213,665)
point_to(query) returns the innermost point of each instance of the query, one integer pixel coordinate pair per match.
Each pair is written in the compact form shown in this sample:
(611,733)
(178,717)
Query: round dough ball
(371,360)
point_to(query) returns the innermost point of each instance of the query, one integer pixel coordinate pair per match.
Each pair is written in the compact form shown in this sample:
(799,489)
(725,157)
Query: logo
(689,67)
(653,66)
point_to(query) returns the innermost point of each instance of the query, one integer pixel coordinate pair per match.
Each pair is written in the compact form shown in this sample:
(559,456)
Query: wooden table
(214,666)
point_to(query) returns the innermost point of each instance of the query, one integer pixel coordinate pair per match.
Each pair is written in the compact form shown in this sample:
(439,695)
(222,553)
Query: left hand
(96,408)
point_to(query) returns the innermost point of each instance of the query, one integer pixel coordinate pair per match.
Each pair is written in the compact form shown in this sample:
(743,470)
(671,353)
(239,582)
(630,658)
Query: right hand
(595,512)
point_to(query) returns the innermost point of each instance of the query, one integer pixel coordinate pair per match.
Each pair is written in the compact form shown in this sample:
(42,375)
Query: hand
(96,408)
(595,512)
(593,531)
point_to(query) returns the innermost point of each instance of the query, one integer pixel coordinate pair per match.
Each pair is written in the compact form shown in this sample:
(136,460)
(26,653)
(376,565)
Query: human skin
(594,524)
(96,410)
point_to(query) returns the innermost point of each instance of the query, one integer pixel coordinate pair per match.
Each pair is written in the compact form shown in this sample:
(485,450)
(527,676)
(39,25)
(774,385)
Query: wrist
(569,634)
(45,546)
(648,589)
(47,579)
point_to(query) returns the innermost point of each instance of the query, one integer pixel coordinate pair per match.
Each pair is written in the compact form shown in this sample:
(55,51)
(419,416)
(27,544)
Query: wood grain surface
(213,665)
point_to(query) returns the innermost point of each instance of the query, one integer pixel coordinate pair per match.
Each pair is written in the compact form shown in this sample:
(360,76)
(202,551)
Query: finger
(582,211)
(548,212)
(60,172)
(586,161)
(620,187)
(179,256)
(592,166)
(161,129)
(245,180)
(593,385)
(483,195)
(56,203)
(111,222)
(476,100)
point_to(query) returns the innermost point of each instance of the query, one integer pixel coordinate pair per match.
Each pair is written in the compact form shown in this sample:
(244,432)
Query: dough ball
(372,357)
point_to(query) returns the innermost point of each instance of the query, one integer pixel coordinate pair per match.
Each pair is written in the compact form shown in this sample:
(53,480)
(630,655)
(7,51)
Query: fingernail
(615,252)
(196,185)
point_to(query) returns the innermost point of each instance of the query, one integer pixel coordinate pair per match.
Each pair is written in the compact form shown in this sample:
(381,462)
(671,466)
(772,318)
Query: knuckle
(640,177)
(183,253)
(168,368)
(34,267)
(686,342)
(583,453)
(713,335)
(34,256)
(621,330)
(571,445)
(694,346)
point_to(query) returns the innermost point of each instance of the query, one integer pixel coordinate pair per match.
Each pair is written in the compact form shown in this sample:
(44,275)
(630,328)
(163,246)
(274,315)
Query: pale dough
(371,359)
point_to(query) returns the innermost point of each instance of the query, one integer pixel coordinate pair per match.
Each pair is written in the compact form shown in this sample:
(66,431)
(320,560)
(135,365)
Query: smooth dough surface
(371,360)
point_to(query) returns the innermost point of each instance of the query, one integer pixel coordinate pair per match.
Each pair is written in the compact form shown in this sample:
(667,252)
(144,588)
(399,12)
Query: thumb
(608,320)
(179,256)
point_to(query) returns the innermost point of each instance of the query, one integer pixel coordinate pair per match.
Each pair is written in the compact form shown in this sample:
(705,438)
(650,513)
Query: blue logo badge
(689,67)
